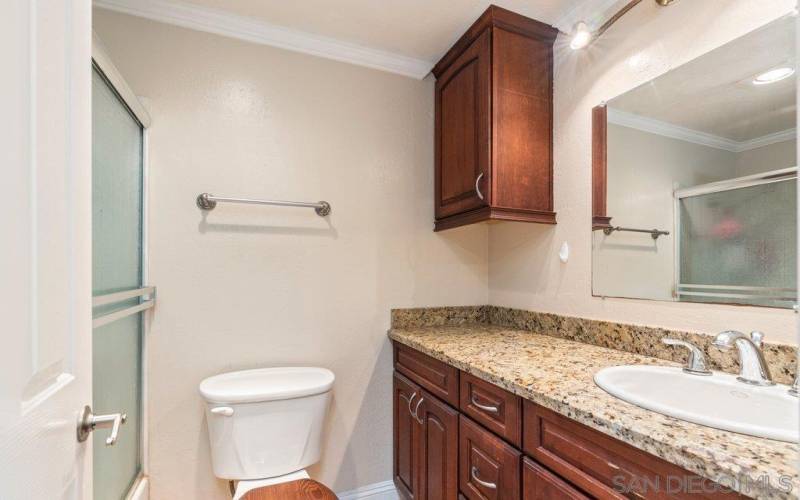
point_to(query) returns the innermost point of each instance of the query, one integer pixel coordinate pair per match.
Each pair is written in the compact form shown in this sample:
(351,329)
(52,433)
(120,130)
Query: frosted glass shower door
(739,245)
(117,173)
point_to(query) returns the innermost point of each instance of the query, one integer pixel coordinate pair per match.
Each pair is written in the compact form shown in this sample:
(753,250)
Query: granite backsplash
(638,339)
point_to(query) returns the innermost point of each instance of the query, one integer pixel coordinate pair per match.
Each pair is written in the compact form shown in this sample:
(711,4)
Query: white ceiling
(422,29)
(714,93)
(401,36)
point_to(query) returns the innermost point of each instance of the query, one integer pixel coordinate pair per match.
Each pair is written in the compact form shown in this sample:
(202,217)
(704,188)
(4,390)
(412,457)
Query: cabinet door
(541,484)
(463,131)
(406,432)
(438,450)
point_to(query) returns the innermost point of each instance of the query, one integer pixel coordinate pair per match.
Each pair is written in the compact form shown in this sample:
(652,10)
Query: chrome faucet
(696,362)
(753,367)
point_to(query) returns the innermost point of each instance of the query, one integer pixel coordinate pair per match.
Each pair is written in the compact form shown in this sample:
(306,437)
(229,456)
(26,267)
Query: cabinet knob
(477,188)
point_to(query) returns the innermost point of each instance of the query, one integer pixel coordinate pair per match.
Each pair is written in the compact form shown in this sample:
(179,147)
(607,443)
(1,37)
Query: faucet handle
(757,338)
(795,389)
(696,364)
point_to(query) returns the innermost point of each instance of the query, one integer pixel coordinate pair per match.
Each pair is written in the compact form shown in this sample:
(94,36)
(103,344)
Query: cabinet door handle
(474,474)
(410,412)
(490,409)
(478,189)
(416,410)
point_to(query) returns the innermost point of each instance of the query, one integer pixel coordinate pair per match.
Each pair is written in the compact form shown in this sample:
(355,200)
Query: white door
(45,251)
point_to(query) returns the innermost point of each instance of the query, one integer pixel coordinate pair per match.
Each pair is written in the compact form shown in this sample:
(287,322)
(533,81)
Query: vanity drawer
(603,466)
(436,377)
(488,467)
(540,484)
(496,409)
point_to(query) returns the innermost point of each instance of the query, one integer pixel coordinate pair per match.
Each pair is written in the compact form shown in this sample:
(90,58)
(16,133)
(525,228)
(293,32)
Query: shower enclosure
(120,297)
(736,240)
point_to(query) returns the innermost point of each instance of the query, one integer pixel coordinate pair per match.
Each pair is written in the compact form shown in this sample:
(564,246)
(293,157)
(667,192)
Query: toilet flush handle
(225,411)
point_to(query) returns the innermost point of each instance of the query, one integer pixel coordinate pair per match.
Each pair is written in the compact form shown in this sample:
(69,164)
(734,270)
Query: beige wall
(248,286)
(524,269)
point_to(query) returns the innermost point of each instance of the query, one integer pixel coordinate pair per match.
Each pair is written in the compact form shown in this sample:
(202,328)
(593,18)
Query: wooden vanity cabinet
(493,127)
(477,441)
(425,456)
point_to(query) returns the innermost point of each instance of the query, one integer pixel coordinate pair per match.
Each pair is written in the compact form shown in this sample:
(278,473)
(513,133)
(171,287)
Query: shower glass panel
(117,175)
(738,245)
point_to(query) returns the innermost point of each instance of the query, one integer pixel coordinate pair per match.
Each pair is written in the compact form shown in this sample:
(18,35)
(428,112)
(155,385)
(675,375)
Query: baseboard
(376,491)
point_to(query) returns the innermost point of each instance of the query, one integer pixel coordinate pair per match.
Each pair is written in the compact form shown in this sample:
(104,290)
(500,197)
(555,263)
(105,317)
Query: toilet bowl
(265,425)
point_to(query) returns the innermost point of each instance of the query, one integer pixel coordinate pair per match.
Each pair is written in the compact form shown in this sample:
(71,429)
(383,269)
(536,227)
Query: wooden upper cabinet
(494,114)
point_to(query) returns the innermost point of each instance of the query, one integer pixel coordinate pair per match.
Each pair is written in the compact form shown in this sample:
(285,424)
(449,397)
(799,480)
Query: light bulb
(581,36)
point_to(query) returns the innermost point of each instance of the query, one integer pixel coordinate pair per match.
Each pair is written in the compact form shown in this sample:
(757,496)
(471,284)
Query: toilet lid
(266,384)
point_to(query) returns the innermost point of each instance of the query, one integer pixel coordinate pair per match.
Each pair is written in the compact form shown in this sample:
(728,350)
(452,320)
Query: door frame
(140,489)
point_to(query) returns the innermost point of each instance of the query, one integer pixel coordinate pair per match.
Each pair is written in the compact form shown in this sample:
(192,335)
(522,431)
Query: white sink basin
(718,401)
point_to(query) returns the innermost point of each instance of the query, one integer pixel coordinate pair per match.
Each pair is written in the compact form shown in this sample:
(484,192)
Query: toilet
(265,425)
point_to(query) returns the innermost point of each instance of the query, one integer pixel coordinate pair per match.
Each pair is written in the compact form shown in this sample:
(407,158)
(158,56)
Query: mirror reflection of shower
(706,155)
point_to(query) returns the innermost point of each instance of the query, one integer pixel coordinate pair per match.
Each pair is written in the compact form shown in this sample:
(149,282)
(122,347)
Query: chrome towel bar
(207,201)
(654,233)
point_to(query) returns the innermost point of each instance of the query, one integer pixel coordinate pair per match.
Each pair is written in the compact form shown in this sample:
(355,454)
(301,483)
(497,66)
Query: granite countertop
(558,374)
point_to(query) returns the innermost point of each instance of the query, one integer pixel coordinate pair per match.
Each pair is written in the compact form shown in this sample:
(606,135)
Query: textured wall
(524,269)
(245,286)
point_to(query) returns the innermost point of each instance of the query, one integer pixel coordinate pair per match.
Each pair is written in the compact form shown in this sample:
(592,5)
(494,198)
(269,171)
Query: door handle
(410,411)
(416,410)
(474,474)
(88,422)
(477,188)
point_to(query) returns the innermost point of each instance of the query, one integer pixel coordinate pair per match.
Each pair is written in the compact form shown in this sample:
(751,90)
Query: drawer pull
(474,474)
(490,409)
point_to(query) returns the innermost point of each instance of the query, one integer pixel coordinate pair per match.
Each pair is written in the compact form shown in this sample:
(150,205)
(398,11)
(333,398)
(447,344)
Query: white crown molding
(376,491)
(766,140)
(243,28)
(665,129)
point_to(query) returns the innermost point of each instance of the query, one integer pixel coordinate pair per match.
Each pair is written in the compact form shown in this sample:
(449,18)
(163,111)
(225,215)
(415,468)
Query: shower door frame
(140,489)
(780,175)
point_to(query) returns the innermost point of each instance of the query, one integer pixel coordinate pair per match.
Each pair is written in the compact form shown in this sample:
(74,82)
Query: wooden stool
(302,489)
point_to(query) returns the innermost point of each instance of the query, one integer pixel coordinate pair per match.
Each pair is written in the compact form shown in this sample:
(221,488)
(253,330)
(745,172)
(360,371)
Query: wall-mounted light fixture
(582,36)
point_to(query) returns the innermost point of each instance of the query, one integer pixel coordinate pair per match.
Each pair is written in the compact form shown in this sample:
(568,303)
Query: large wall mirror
(695,179)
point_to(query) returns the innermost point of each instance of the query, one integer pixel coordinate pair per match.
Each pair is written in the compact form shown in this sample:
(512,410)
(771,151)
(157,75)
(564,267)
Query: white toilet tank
(267,422)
